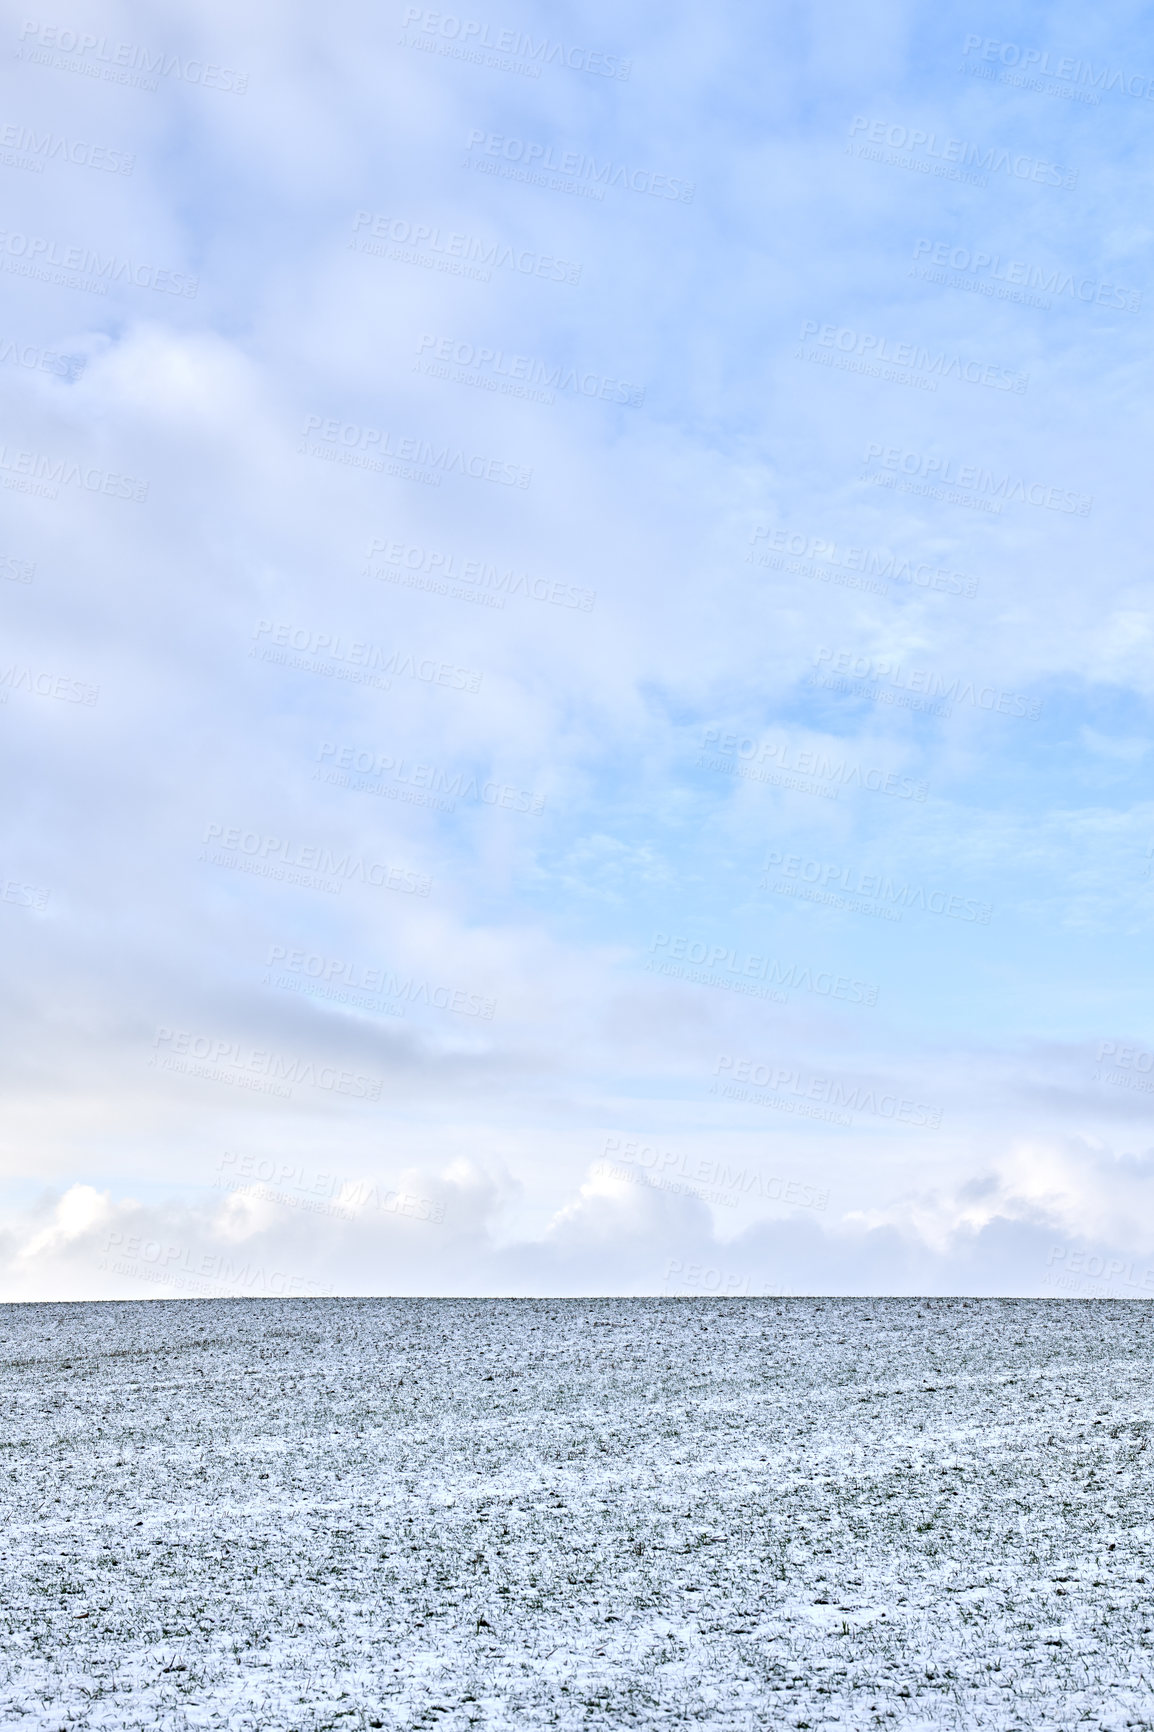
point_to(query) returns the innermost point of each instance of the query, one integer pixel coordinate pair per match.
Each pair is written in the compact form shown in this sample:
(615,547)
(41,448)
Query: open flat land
(598,1513)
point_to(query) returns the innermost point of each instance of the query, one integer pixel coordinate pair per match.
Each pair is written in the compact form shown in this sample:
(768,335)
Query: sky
(578,656)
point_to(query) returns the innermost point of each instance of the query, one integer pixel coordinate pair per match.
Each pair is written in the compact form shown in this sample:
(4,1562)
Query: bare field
(352,1513)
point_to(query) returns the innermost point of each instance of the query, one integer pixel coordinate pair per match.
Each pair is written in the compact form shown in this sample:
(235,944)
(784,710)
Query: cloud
(289,1229)
(448,460)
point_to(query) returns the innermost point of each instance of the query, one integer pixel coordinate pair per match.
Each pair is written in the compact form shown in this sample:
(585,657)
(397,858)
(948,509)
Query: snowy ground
(416,1513)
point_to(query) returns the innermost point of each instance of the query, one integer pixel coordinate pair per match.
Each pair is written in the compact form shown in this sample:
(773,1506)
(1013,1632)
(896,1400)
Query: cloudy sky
(578,650)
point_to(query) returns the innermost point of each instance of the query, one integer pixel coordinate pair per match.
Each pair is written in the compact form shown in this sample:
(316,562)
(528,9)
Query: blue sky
(695,464)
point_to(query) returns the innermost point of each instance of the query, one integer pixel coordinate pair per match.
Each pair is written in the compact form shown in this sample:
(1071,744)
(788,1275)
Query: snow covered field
(415,1513)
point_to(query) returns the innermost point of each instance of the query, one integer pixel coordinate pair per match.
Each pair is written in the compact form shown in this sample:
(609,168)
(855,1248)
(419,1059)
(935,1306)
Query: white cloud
(334,563)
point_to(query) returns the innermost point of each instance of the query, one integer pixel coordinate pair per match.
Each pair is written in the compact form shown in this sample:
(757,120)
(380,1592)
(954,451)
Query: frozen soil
(599,1513)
